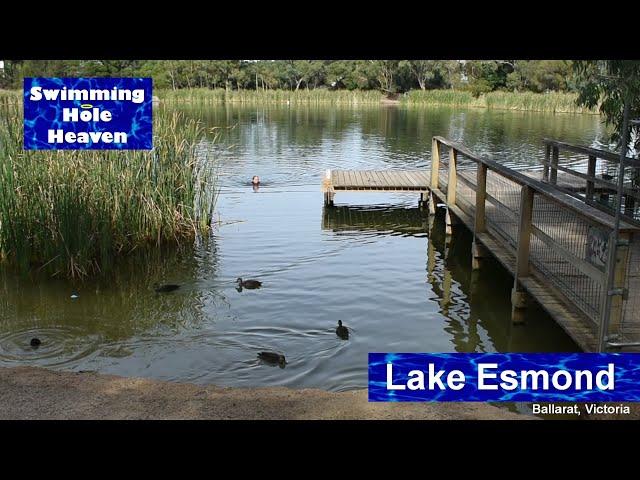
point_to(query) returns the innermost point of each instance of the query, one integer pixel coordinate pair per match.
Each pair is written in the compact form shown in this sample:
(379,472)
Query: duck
(250,284)
(74,295)
(273,358)
(342,331)
(169,287)
(35,342)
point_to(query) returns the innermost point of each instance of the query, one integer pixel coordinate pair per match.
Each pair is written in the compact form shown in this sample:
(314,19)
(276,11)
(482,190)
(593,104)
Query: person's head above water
(255,180)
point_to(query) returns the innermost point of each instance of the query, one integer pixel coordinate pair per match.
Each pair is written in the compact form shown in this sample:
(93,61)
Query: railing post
(435,163)
(591,171)
(480,225)
(553,177)
(452,182)
(453,176)
(478,252)
(617,292)
(547,159)
(518,295)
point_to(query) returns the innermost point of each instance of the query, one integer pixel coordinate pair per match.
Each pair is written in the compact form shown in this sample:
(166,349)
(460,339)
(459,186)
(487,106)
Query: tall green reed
(553,102)
(320,96)
(72,213)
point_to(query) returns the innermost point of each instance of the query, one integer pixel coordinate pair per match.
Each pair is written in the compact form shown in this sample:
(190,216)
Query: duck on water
(249,284)
(168,287)
(273,358)
(342,331)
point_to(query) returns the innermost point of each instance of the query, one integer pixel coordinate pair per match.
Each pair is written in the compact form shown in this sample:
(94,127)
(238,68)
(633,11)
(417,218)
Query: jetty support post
(327,188)
(424,200)
(479,251)
(518,294)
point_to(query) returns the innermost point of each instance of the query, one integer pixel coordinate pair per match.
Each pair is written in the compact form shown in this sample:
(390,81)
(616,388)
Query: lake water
(375,261)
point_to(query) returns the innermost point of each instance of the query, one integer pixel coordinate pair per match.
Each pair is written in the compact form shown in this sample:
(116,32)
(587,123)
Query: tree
(540,75)
(487,76)
(605,84)
(455,70)
(389,76)
(427,72)
(336,73)
(306,71)
(384,71)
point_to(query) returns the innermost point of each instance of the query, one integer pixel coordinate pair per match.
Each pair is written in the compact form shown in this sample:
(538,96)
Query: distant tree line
(389,76)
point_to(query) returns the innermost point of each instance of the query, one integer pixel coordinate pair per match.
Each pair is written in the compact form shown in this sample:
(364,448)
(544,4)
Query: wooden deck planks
(393,180)
(388,179)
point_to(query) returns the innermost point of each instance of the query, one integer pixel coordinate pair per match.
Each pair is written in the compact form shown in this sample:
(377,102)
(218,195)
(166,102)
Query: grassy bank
(320,96)
(554,102)
(72,213)
(525,101)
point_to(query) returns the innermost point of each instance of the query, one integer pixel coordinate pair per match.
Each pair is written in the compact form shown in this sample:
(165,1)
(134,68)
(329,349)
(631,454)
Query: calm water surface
(375,261)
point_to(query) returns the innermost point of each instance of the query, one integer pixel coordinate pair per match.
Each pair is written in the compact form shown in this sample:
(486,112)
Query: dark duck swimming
(342,331)
(168,287)
(249,284)
(273,358)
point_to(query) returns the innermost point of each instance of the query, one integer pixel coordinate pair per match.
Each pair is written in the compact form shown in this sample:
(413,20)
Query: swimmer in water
(255,180)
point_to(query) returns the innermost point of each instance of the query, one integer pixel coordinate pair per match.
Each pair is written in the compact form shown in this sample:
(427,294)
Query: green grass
(526,101)
(72,213)
(10,96)
(452,98)
(319,96)
(555,102)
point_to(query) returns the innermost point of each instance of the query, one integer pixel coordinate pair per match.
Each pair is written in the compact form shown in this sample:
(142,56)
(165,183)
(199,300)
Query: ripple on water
(61,346)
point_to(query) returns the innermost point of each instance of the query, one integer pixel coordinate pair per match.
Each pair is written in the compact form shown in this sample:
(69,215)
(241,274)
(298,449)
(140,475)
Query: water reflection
(111,314)
(386,219)
(400,137)
(476,304)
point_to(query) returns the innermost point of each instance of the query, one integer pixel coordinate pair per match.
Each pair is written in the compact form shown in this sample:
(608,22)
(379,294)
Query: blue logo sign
(504,377)
(88,113)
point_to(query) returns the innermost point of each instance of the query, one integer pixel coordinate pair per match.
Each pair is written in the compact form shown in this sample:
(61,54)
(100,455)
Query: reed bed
(554,102)
(72,213)
(452,98)
(318,96)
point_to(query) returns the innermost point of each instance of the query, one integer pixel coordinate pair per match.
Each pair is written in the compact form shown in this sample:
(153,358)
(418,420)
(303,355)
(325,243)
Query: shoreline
(35,393)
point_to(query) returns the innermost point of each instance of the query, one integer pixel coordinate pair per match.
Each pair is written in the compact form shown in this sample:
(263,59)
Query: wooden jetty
(551,236)
(374,180)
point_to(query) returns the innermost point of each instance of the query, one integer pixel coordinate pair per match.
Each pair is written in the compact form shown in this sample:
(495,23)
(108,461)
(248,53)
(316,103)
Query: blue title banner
(504,377)
(88,113)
